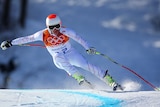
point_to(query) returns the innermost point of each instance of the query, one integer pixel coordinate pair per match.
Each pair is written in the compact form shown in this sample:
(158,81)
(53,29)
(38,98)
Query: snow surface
(78,98)
(120,29)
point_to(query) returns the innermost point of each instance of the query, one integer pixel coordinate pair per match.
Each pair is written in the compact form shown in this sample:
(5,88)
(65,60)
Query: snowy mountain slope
(78,98)
(120,29)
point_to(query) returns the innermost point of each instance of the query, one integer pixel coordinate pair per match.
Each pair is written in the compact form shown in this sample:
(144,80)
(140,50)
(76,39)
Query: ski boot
(112,83)
(81,80)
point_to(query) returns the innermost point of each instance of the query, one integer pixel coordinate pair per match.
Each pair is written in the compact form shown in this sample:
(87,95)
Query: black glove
(5,45)
(91,51)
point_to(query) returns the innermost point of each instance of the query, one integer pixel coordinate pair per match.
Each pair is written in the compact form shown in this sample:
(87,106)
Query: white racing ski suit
(64,55)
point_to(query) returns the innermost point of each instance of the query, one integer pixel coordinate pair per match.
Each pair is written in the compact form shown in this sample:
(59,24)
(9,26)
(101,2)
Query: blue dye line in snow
(106,101)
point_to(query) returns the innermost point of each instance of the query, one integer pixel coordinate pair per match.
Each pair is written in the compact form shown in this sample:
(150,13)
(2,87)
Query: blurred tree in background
(6,69)
(155,19)
(7,20)
(9,24)
(23,13)
(5,13)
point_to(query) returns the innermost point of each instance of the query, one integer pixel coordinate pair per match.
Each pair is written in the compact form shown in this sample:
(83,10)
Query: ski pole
(36,45)
(110,59)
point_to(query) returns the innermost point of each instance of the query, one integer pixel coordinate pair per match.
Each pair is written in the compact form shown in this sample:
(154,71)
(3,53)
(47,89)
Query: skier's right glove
(5,45)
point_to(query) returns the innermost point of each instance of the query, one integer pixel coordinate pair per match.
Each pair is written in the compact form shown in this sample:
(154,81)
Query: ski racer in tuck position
(56,39)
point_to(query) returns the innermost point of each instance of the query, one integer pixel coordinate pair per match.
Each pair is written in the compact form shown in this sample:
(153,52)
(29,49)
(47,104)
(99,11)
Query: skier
(56,39)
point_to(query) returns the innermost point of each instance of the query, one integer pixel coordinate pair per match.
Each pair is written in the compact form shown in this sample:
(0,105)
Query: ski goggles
(55,26)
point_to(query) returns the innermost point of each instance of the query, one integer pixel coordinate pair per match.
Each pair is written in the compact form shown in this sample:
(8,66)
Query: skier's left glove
(5,45)
(91,51)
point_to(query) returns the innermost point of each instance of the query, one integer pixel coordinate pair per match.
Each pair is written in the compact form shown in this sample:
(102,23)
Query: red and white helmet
(52,19)
(53,22)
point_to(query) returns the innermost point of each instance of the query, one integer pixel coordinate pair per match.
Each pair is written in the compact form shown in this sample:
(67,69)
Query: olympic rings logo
(54,40)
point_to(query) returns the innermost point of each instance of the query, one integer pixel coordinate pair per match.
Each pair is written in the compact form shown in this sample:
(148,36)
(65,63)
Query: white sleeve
(70,33)
(38,36)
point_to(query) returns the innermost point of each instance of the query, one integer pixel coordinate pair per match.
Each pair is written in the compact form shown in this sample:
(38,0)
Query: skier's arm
(22,40)
(31,38)
(77,38)
(70,33)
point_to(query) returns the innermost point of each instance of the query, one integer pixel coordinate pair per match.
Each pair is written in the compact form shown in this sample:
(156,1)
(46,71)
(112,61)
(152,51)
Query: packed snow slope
(78,98)
(119,29)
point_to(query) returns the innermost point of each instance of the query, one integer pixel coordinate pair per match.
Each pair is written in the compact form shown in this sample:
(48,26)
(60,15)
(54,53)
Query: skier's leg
(78,60)
(62,63)
(111,82)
